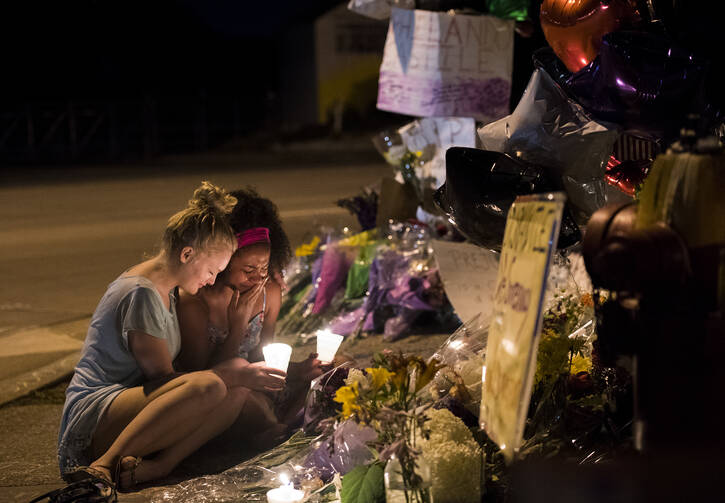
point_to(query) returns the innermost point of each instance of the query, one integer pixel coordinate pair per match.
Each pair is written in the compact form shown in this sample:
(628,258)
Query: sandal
(84,473)
(89,489)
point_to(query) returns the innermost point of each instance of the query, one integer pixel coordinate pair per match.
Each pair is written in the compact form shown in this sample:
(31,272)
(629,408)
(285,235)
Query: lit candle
(277,355)
(327,344)
(285,493)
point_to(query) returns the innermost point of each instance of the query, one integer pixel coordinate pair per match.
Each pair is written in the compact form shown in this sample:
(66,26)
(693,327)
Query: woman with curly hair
(230,321)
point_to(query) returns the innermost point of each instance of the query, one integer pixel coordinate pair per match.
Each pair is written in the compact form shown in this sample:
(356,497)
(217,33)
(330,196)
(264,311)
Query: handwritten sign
(438,64)
(468,273)
(440,133)
(532,228)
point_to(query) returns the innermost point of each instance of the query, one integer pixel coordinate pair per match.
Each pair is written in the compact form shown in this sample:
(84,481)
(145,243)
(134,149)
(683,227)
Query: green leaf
(363,484)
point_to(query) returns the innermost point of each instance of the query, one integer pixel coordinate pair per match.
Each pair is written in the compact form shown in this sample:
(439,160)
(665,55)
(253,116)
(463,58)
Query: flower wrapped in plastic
(457,386)
(403,283)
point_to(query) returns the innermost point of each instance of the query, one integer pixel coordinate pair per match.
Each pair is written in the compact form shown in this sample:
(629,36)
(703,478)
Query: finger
(276,372)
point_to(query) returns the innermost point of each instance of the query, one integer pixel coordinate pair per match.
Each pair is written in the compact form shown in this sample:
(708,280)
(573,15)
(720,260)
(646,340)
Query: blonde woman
(127,412)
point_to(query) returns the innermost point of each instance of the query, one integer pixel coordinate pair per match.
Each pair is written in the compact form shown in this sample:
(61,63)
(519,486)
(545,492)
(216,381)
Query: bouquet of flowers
(385,397)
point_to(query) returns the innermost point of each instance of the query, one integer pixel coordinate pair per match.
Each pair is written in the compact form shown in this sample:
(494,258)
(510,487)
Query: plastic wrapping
(378,9)
(463,354)
(319,404)
(250,480)
(345,449)
(403,283)
(548,129)
(432,136)
(480,188)
(336,262)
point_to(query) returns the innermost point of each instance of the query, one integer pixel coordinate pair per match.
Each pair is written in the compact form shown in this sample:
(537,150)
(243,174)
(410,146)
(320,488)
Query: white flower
(357,376)
(454,458)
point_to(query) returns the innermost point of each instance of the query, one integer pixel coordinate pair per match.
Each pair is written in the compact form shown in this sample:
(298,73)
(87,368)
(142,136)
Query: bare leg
(164,418)
(257,426)
(220,420)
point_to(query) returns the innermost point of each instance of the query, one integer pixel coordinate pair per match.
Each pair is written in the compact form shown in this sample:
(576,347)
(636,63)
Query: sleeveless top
(107,367)
(254,332)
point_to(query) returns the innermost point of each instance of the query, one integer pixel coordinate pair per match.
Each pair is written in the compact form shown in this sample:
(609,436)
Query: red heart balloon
(574,28)
(627,175)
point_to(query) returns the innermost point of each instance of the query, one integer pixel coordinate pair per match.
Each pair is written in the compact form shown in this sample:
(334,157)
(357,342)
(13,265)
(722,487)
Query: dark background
(119,80)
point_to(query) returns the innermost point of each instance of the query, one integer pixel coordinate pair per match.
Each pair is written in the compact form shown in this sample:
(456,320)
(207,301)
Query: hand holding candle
(327,345)
(277,355)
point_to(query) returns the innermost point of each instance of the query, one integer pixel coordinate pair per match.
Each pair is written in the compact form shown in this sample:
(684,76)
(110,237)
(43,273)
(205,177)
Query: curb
(26,383)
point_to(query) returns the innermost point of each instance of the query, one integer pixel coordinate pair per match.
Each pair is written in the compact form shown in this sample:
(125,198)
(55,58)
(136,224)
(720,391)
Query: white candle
(327,345)
(277,355)
(285,493)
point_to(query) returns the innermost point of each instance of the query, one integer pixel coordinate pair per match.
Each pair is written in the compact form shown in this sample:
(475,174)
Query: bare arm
(196,348)
(152,355)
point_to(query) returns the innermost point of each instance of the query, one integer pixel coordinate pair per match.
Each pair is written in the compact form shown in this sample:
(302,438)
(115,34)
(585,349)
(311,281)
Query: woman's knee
(236,398)
(208,387)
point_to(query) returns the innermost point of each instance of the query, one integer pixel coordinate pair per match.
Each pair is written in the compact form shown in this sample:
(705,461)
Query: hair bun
(210,197)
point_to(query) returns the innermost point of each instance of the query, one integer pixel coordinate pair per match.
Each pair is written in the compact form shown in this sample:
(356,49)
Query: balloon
(481,186)
(509,9)
(574,28)
(549,129)
(627,175)
(641,81)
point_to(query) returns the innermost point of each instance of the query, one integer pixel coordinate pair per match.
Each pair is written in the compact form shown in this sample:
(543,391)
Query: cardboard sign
(438,64)
(532,229)
(468,273)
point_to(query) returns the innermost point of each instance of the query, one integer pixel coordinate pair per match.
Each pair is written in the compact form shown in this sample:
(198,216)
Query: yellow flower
(308,248)
(347,396)
(580,364)
(380,376)
(362,239)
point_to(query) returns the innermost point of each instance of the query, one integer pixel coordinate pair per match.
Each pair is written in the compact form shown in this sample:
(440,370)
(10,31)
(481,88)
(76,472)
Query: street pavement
(67,232)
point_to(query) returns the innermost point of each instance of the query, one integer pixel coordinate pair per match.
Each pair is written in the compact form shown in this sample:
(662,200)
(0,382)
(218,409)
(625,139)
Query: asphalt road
(64,236)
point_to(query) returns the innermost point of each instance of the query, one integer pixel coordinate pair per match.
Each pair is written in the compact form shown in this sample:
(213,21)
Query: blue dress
(107,367)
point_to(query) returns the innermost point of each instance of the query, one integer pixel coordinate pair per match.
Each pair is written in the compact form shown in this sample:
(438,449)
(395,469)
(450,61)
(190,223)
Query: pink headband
(251,236)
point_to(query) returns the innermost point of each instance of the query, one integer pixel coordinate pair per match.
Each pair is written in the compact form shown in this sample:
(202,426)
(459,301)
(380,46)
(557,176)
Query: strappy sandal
(84,473)
(91,489)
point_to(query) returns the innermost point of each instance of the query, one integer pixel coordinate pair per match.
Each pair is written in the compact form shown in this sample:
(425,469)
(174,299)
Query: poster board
(532,230)
(468,273)
(438,64)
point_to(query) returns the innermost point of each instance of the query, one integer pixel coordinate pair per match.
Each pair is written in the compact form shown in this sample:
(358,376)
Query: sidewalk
(34,358)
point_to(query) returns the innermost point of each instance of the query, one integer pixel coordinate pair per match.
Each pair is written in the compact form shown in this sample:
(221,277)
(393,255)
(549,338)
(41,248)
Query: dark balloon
(480,188)
(641,81)
(547,60)
(574,28)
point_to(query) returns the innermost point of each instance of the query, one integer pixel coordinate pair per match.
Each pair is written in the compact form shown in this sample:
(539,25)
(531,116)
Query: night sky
(83,49)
